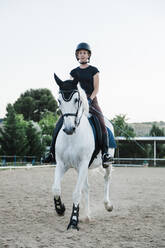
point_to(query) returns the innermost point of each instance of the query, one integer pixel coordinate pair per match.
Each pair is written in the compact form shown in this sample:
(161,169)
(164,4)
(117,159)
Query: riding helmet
(83,46)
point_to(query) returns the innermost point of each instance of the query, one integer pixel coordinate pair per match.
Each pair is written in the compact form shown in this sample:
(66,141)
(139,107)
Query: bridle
(69,94)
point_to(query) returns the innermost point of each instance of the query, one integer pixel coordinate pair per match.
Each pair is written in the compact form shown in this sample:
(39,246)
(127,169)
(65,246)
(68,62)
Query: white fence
(140,161)
(32,161)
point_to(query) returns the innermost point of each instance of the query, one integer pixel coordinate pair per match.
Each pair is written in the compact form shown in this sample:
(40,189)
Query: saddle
(97,132)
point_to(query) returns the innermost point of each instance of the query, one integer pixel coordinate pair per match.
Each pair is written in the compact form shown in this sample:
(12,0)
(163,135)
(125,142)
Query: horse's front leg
(82,177)
(56,188)
(107,203)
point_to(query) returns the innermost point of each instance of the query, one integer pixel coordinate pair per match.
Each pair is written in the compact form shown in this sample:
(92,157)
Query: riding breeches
(96,110)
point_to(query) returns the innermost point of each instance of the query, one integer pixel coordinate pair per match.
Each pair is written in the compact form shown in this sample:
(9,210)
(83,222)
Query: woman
(88,76)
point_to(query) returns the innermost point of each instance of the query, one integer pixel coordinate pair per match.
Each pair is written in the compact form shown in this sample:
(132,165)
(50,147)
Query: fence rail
(6,161)
(141,161)
(19,160)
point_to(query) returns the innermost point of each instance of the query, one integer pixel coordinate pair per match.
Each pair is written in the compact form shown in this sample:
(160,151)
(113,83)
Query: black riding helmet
(83,46)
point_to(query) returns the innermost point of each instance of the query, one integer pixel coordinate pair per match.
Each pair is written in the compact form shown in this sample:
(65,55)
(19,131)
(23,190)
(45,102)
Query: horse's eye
(59,101)
(75,100)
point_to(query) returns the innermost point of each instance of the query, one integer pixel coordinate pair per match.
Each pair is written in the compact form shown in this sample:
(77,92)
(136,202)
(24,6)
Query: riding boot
(50,157)
(106,157)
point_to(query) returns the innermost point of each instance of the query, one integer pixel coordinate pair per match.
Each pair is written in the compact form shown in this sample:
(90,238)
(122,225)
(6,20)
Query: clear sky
(127,37)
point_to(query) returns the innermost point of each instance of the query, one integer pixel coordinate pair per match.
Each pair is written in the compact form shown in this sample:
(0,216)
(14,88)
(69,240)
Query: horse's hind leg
(56,188)
(85,201)
(107,203)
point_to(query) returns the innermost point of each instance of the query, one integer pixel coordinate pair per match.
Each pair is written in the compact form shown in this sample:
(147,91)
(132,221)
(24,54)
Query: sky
(127,38)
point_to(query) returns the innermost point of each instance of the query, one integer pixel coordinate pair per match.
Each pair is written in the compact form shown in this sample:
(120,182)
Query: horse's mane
(84,100)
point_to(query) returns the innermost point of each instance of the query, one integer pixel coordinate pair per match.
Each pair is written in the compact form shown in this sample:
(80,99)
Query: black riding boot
(50,157)
(106,157)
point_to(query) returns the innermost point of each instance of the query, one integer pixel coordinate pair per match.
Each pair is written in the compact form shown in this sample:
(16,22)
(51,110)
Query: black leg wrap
(59,207)
(74,220)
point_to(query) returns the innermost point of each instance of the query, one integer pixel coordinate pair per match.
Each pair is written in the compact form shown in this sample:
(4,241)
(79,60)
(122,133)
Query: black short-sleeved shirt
(85,77)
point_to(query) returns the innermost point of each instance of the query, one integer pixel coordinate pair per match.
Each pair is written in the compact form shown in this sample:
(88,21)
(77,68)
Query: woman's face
(83,56)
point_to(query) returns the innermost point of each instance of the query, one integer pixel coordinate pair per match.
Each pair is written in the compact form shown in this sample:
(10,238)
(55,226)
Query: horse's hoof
(72,226)
(108,207)
(85,220)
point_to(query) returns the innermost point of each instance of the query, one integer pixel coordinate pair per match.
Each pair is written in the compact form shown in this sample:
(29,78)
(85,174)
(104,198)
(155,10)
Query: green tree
(47,124)
(156,131)
(35,145)
(127,148)
(34,103)
(13,135)
(121,128)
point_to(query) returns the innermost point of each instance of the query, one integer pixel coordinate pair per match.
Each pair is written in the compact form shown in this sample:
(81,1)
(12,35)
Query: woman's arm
(96,85)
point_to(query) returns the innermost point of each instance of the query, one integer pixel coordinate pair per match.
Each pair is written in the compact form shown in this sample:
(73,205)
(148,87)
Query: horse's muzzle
(69,131)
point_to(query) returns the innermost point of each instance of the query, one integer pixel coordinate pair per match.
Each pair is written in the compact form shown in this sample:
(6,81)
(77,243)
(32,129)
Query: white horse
(74,147)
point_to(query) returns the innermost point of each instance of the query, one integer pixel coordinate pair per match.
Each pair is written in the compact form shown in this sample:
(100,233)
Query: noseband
(67,95)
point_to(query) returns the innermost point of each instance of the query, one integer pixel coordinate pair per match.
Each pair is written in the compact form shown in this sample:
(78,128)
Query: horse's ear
(58,81)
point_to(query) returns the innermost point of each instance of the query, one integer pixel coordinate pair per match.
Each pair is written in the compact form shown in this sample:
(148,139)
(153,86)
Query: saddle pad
(112,142)
(98,137)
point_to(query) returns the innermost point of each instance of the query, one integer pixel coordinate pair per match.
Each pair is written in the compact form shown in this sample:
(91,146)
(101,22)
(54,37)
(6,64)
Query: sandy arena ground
(28,219)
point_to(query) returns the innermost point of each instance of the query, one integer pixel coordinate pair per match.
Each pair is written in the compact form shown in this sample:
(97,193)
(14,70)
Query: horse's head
(70,104)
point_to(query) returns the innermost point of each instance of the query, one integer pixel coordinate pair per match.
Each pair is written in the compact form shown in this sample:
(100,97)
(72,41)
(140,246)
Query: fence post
(14,159)
(3,161)
(154,152)
(33,161)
